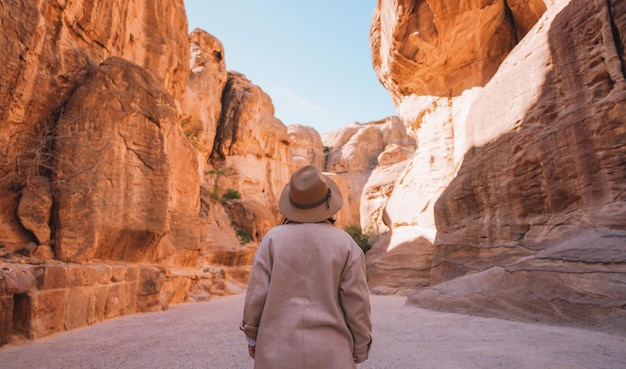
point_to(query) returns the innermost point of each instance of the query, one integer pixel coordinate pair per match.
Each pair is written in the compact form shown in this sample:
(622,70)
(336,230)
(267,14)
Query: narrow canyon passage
(205,335)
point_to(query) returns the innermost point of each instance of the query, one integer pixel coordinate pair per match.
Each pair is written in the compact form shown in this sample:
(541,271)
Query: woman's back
(307,303)
(303,313)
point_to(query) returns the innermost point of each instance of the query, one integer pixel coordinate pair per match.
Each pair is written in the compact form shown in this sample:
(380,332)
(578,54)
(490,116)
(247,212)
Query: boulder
(124,183)
(576,281)
(35,207)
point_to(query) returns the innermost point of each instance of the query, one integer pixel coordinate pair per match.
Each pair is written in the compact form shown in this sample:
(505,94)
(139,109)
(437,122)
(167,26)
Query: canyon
(137,171)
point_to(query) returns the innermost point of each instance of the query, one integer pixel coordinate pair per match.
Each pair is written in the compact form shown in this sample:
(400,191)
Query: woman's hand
(251,351)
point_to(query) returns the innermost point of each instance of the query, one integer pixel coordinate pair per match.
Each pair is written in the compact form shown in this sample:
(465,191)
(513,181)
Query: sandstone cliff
(514,203)
(47,51)
(136,171)
(369,157)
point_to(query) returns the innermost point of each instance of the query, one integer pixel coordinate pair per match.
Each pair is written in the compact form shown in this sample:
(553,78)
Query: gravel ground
(206,335)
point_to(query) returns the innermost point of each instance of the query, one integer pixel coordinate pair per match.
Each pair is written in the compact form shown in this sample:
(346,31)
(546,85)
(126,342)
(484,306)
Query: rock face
(306,146)
(135,171)
(47,50)
(35,209)
(517,185)
(251,153)
(203,98)
(139,158)
(577,280)
(130,153)
(40,300)
(441,49)
(358,151)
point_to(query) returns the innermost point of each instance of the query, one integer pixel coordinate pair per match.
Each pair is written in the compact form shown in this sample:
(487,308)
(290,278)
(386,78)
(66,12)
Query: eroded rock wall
(251,155)
(202,103)
(125,143)
(125,182)
(48,48)
(370,155)
(305,146)
(39,300)
(442,49)
(520,140)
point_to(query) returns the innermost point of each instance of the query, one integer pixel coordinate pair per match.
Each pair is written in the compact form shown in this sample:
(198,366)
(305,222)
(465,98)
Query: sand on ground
(206,335)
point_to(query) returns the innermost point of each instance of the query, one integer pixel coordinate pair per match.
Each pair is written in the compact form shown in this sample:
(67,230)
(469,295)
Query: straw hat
(310,196)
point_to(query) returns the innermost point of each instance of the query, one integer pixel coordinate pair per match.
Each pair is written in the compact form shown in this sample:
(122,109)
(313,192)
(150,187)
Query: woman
(307,303)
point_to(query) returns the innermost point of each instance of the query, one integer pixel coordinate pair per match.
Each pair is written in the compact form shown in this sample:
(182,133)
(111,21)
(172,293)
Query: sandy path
(205,335)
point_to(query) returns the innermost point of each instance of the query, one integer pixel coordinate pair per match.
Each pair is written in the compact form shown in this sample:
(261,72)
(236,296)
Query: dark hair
(330,220)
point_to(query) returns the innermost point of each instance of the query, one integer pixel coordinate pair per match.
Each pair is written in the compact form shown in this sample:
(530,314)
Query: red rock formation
(354,152)
(251,151)
(203,99)
(442,49)
(47,49)
(46,299)
(105,158)
(517,183)
(139,158)
(35,208)
(305,146)
(126,145)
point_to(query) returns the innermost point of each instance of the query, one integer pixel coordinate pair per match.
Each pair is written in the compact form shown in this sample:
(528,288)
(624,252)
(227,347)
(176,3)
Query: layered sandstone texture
(306,146)
(133,165)
(369,157)
(47,52)
(514,204)
(53,297)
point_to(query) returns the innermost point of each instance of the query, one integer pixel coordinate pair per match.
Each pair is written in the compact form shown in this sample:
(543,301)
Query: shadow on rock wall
(516,226)
(402,269)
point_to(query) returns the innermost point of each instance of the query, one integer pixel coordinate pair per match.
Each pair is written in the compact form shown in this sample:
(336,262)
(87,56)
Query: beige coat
(307,304)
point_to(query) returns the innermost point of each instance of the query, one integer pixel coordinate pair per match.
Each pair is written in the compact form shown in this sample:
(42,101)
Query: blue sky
(311,57)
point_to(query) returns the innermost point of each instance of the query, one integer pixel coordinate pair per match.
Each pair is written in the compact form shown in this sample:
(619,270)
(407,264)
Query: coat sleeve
(256,292)
(355,300)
